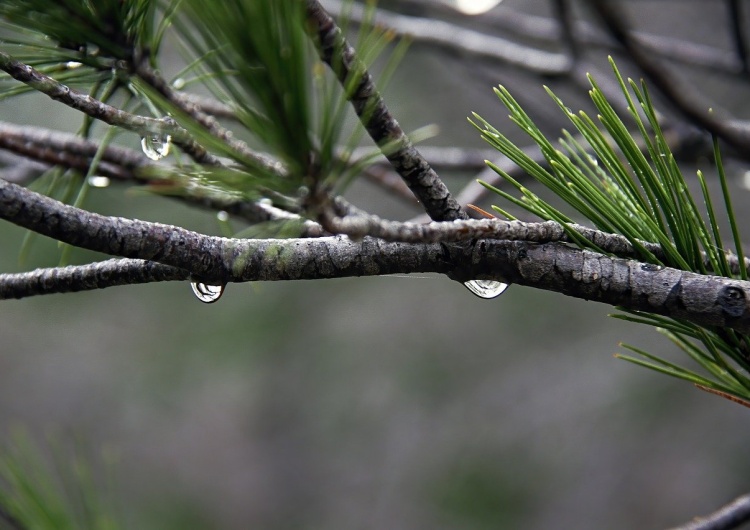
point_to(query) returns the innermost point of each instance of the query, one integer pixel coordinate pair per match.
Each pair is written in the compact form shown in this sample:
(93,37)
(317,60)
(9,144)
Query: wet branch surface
(704,300)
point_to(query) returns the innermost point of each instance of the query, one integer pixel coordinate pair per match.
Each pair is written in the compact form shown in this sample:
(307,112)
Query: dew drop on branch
(156,145)
(486,288)
(206,293)
(98,181)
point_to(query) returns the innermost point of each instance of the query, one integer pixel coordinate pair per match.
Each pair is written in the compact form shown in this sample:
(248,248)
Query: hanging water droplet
(98,181)
(486,288)
(472,7)
(156,145)
(206,293)
(178,84)
(222,216)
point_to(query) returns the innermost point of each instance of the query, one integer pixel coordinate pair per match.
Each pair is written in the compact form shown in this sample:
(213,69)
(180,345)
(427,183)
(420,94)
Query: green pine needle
(628,182)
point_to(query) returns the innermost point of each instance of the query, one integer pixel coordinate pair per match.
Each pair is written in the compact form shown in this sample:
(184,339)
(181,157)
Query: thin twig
(100,275)
(73,152)
(679,93)
(738,35)
(106,113)
(209,122)
(68,150)
(563,10)
(728,517)
(377,119)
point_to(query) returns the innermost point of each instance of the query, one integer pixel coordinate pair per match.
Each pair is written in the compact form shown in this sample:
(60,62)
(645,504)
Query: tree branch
(728,517)
(193,109)
(72,152)
(106,113)
(377,119)
(678,93)
(99,275)
(704,300)
(456,38)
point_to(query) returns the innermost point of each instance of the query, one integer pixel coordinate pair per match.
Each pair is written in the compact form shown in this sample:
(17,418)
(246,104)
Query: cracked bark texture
(704,300)
(382,127)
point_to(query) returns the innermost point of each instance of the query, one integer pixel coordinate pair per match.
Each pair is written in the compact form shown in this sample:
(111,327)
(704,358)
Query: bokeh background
(393,402)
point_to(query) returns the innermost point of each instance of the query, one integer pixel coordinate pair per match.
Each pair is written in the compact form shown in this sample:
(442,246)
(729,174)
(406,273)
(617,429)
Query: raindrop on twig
(486,288)
(156,145)
(206,293)
(98,181)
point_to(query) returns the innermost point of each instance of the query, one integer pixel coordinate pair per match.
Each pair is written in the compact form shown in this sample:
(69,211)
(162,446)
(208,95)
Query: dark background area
(393,402)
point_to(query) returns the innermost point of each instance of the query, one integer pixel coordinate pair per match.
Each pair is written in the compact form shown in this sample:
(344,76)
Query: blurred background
(392,402)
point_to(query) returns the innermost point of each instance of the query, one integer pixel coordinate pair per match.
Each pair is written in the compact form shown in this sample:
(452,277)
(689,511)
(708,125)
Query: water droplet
(206,293)
(746,180)
(156,145)
(178,84)
(486,288)
(98,181)
(71,65)
(222,216)
(472,7)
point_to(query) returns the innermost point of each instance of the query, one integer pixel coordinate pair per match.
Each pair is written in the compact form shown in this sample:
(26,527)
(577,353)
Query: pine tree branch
(69,151)
(73,152)
(704,300)
(106,113)
(678,92)
(544,29)
(456,38)
(383,128)
(358,225)
(74,278)
(207,121)
(738,34)
(731,516)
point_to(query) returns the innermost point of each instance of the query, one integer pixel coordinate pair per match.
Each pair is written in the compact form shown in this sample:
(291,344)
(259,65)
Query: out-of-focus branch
(466,41)
(678,92)
(336,51)
(69,151)
(729,517)
(738,35)
(15,168)
(73,152)
(551,31)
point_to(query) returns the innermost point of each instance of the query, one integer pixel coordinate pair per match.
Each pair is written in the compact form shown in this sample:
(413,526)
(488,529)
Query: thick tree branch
(731,516)
(704,300)
(377,119)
